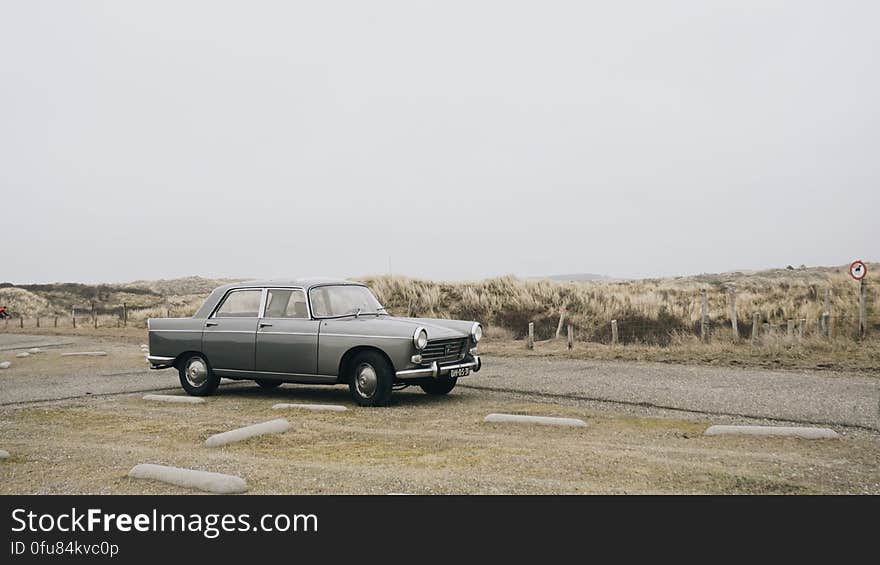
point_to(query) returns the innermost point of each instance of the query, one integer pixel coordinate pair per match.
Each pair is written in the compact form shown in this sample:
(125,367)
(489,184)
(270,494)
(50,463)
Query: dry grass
(772,352)
(646,310)
(661,312)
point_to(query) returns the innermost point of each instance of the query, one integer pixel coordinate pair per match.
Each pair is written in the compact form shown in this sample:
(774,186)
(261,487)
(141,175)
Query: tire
(370,379)
(268,384)
(196,376)
(439,386)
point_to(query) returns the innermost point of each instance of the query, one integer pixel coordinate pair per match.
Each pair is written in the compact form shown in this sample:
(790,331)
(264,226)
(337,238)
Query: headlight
(420,338)
(476,332)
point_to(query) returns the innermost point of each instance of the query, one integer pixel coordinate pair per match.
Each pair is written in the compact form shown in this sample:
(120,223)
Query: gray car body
(312,350)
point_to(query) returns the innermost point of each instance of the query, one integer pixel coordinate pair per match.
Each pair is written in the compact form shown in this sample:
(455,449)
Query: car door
(229,337)
(287,337)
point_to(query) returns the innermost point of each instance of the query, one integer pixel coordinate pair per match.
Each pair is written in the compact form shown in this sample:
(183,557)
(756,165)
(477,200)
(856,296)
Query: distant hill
(577,277)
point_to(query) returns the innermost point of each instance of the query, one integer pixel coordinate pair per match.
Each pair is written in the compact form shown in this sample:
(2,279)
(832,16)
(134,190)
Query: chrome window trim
(266,299)
(239,289)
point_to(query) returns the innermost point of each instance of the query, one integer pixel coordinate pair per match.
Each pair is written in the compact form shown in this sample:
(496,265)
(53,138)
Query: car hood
(437,329)
(401,327)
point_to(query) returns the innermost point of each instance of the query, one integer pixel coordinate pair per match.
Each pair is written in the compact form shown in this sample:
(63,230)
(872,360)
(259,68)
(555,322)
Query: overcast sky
(460,140)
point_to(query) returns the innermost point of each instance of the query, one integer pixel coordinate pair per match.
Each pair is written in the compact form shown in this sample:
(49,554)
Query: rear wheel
(439,386)
(268,384)
(196,376)
(370,379)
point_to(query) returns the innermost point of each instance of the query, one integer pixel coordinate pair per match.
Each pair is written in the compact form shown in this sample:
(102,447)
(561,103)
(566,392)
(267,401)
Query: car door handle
(210,324)
(265,325)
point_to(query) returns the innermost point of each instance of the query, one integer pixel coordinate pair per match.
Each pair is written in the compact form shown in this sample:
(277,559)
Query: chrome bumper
(436,370)
(157,362)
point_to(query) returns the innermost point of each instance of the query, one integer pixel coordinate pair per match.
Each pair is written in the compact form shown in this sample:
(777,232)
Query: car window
(342,300)
(240,304)
(283,303)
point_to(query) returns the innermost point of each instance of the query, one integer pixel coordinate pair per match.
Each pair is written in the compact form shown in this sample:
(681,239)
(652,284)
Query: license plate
(460,372)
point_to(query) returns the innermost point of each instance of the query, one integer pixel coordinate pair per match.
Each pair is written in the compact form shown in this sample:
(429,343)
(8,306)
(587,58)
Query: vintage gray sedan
(315,332)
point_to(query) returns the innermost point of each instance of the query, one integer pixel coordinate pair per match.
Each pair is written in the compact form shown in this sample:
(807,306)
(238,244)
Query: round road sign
(858,270)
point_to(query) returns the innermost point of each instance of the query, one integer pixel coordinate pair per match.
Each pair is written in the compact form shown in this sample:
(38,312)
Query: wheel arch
(186,355)
(349,356)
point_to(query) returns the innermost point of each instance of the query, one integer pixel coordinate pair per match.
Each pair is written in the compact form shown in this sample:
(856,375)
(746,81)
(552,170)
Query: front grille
(444,350)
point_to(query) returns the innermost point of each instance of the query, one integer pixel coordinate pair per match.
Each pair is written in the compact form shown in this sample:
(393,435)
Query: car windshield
(343,300)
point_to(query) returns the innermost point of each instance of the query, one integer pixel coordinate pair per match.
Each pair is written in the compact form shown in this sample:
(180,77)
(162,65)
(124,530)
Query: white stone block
(543,420)
(776,431)
(329,407)
(189,478)
(173,398)
(271,427)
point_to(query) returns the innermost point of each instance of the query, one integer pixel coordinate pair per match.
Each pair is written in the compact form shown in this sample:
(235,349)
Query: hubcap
(365,380)
(196,372)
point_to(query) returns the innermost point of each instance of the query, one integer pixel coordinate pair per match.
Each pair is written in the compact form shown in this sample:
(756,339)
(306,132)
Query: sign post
(859,271)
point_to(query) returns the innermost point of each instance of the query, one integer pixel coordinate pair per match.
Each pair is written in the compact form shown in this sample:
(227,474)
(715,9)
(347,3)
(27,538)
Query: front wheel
(196,376)
(371,379)
(441,385)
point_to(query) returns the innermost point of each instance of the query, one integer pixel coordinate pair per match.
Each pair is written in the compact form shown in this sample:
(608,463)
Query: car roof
(302,283)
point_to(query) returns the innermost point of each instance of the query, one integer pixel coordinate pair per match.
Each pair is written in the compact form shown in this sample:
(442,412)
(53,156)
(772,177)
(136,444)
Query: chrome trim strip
(231,331)
(366,336)
(288,333)
(435,371)
(276,373)
(199,330)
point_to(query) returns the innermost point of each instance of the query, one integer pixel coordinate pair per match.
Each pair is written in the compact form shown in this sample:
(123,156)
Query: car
(312,331)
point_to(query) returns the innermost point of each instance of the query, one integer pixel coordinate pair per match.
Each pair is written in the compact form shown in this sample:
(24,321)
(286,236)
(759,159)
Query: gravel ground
(13,342)
(77,425)
(422,445)
(821,397)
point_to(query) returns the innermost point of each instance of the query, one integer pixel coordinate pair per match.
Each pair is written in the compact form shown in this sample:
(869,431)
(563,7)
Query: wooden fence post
(828,301)
(124,314)
(38,320)
(704,317)
(731,293)
(790,329)
(614,332)
(56,321)
(801,323)
(21,322)
(827,314)
(863,299)
(531,342)
(570,337)
(561,321)
(756,319)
